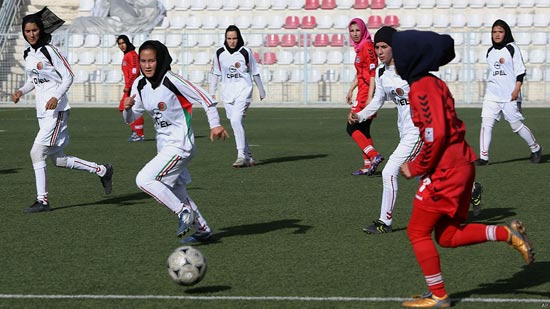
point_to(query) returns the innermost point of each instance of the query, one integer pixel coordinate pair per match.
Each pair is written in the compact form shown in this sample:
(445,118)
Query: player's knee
(38,153)
(350,128)
(516,126)
(487,122)
(143,179)
(60,161)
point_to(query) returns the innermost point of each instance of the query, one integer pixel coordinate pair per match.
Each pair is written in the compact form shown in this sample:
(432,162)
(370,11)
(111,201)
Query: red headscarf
(365,35)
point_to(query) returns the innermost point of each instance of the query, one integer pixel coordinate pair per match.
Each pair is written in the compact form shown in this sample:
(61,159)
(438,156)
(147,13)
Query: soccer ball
(186,265)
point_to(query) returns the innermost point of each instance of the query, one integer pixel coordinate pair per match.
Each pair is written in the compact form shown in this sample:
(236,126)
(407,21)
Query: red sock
(137,126)
(364,143)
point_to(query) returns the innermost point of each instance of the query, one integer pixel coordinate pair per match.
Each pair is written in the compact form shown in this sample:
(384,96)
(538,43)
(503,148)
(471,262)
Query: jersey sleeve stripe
(62,59)
(203,95)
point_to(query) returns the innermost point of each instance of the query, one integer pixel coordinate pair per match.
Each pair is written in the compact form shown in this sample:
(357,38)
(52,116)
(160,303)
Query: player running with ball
(168,99)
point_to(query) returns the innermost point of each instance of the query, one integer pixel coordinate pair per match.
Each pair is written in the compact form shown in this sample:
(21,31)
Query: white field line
(267,298)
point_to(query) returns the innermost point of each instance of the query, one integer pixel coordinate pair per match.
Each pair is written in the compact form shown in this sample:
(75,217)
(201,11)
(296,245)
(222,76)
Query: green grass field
(287,232)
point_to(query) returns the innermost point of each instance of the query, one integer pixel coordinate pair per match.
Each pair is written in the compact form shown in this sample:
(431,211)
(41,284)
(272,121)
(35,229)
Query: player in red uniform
(445,165)
(130,70)
(365,64)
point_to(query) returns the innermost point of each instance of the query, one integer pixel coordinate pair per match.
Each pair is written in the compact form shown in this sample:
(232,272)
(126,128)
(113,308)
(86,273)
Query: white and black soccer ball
(186,265)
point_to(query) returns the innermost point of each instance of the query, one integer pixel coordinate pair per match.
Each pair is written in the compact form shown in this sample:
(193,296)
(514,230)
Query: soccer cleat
(250,162)
(107,179)
(481,162)
(197,238)
(428,300)
(476,198)
(378,227)
(38,206)
(536,156)
(240,162)
(518,240)
(185,220)
(360,172)
(374,164)
(134,137)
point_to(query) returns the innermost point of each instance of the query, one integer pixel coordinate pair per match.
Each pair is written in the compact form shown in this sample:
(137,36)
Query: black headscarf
(240,40)
(508,38)
(385,35)
(163,61)
(46,21)
(416,53)
(129,45)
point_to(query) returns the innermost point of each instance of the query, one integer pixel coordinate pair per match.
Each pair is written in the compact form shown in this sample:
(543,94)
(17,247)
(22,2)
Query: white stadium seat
(296,76)
(186,58)
(190,40)
(542,3)
(457,58)
(324,22)
(214,5)
(410,4)
(113,76)
(246,5)
(408,21)
(458,37)
(285,57)
(335,57)
(349,56)
(525,20)
(476,4)
(295,4)
(394,4)
(86,58)
(460,4)
(81,77)
(230,5)
(494,3)
(97,76)
(522,38)
(86,5)
(547,75)
(424,20)
(279,5)
(441,21)
(76,40)
(344,4)
(266,76)
(458,21)
(540,20)
(348,75)
(443,4)
(539,38)
(475,20)
(225,21)
(301,57)
(537,55)
(108,40)
(209,22)
(164,24)
(116,57)
(103,56)
(206,39)
(72,57)
(177,23)
(318,57)
(341,22)
(193,22)
(276,21)
(198,5)
(255,40)
(243,22)
(173,39)
(92,40)
(158,36)
(426,4)
(184,4)
(202,58)
(168,4)
(279,76)
(466,75)
(534,74)
(263,4)
(259,21)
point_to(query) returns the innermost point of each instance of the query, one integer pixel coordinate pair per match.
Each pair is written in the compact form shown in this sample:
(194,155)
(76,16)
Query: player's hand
(262,94)
(353,118)
(130,101)
(218,132)
(405,171)
(515,95)
(52,103)
(16,96)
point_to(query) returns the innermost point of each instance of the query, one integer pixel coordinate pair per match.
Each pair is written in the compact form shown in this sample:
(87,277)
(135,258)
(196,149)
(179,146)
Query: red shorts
(447,191)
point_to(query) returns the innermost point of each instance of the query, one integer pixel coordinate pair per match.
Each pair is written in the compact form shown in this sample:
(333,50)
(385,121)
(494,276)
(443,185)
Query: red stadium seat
(361,4)
(292,22)
(392,21)
(305,40)
(328,4)
(309,22)
(320,40)
(269,58)
(311,4)
(256,56)
(337,40)
(288,40)
(374,22)
(271,40)
(377,4)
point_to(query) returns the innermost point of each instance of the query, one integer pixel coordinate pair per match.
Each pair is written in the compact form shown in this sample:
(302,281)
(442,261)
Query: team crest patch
(501,60)
(161,106)
(400,92)
(429,135)
(39,65)
(237,65)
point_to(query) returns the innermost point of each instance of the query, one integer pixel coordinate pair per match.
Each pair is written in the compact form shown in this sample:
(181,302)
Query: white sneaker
(250,162)
(240,162)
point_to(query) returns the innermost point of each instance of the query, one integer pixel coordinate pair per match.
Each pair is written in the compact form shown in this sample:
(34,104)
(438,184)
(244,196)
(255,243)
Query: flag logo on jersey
(400,92)
(237,65)
(501,60)
(161,106)
(39,65)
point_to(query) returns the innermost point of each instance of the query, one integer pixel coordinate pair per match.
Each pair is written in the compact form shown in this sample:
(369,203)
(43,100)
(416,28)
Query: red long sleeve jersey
(130,68)
(365,64)
(433,112)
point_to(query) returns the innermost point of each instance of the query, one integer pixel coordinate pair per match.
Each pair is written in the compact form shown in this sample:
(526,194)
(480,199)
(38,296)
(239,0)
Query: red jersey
(130,68)
(445,162)
(365,64)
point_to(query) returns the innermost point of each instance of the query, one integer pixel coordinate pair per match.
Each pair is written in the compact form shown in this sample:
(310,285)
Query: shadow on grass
(543,159)
(9,171)
(493,216)
(122,200)
(531,276)
(258,228)
(289,159)
(208,289)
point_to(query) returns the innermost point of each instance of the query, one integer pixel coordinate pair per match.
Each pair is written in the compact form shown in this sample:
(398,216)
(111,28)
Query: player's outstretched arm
(16,96)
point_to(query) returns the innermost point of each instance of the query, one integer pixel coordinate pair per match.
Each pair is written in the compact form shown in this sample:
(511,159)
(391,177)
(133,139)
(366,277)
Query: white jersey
(170,106)
(49,72)
(236,71)
(505,65)
(390,87)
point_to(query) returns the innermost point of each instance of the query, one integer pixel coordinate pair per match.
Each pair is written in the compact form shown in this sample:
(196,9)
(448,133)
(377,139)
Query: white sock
(485,141)
(83,165)
(528,137)
(389,191)
(40,177)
